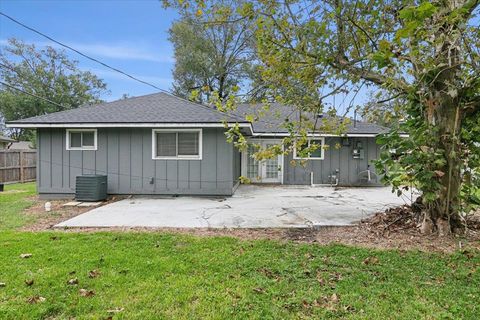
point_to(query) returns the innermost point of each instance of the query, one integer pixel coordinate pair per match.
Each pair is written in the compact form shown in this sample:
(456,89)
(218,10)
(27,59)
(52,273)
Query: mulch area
(396,228)
(47,220)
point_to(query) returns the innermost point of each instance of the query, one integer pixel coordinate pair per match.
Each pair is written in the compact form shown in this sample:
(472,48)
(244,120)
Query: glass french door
(265,171)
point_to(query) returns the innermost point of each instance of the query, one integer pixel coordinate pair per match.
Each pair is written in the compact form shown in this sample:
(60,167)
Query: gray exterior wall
(334,159)
(125,155)
(237,165)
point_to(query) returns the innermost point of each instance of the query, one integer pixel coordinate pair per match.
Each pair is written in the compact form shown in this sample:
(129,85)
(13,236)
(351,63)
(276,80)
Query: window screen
(318,152)
(177,144)
(75,139)
(188,143)
(82,139)
(88,139)
(166,144)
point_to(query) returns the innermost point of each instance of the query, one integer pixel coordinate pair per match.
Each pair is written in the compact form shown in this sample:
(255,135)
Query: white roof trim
(352,135)
(124,125)
(179,125)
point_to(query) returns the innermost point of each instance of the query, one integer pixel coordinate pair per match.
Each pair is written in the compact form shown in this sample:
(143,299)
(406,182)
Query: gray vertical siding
(237,165)
(335,158)
(125,155)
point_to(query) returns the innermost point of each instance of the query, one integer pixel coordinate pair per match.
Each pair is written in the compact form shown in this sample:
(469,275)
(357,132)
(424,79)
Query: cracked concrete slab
(252,206)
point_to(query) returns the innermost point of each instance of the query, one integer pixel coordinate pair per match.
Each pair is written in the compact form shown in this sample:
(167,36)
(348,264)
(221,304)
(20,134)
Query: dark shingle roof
(6,139)
(272,119)
(166,108)
(153,108)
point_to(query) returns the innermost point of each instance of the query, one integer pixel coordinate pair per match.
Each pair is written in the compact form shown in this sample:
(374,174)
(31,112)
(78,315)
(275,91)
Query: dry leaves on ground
(35,299)
(86,293)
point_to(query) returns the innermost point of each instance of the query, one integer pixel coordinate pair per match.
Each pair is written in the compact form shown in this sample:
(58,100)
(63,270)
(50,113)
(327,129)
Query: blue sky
(129,35)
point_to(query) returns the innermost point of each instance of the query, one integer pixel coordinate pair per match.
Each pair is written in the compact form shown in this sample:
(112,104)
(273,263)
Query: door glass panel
(272,166)
(252,164)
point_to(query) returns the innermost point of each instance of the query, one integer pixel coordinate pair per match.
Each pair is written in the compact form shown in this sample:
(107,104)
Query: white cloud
(110,74)
(123,51)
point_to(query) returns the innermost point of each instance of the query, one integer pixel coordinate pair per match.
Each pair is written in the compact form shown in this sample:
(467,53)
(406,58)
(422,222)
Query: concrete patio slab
(252,206)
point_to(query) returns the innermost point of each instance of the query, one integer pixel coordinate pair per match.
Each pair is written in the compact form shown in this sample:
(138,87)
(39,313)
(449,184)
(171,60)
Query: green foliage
(47,73)
(423,56)
(210,58)
(156,275)
(13,201)
(145,276)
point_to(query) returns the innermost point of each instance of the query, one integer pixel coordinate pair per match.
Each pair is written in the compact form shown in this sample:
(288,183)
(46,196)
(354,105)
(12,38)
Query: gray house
(5,142)
(162,144)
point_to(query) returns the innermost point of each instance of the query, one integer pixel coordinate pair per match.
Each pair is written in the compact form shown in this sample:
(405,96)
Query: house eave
(122,125)
(349,135)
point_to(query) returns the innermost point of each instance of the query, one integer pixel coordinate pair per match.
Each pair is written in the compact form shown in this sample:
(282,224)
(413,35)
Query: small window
(177,144)
(81,139)
(318,154)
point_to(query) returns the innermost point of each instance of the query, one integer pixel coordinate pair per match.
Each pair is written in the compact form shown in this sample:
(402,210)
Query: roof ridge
(198,104)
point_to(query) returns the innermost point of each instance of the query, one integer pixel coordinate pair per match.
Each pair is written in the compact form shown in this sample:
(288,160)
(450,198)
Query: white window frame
(95,134)
(178,157)
(309,140)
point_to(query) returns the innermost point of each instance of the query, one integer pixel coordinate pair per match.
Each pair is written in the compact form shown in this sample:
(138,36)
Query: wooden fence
(18,165)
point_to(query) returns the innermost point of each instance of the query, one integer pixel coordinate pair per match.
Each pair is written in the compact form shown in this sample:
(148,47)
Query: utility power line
(82,54)
(32,94)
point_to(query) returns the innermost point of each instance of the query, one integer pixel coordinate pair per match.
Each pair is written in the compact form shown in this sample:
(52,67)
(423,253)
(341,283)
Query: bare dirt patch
(43,220)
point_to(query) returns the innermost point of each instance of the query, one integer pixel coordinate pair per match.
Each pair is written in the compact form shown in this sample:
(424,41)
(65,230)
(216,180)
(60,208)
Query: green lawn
(12,203)
(158,275)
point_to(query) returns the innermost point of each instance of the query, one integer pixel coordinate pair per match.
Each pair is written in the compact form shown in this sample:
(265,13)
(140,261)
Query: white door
(265,171)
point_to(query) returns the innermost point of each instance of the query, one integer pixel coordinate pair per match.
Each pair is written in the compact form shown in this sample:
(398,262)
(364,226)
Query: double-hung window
(81,139)
(317,154)
(177,144)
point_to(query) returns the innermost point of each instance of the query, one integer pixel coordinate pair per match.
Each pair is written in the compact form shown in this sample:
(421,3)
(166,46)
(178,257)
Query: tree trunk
(443,214)
(445,117)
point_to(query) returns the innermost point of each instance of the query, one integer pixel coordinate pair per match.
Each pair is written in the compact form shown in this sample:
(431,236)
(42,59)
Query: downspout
(322,184)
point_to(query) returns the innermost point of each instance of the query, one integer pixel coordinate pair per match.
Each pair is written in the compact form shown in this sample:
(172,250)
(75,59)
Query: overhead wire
(81,53)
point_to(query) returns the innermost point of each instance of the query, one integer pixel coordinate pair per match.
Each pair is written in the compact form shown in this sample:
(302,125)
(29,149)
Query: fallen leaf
(349,308)
(468,254)
(334,298)
(321,281)
(259,290)
(25,255)
(370,260)
(86,293)
(439,173)
(29,282)
(309,256)
(93,274)
(35,299)
(305,304)
(116,310)
(73,281)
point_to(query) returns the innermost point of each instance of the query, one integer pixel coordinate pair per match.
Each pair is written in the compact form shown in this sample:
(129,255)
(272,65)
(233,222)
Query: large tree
(34,78)
(423,52)
(211,57)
